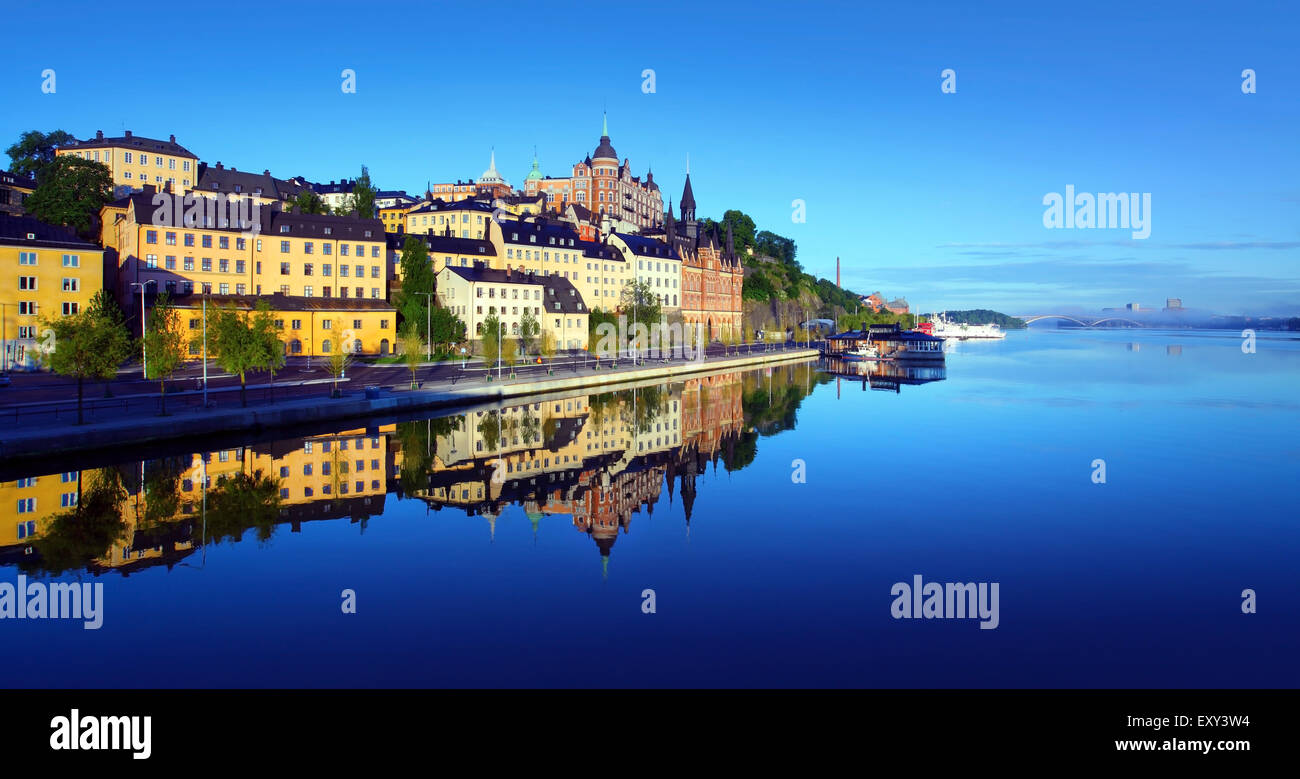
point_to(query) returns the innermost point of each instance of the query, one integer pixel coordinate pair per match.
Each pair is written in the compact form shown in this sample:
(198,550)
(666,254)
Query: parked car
(4,380)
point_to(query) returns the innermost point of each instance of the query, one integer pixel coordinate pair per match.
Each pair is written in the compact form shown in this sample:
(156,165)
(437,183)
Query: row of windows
(327,489)
(309,269)
(326,249)
(129,158)
(326,466)
(69,260)
(30,308)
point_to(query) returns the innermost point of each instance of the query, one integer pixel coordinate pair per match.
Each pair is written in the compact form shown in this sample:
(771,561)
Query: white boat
(862,353)
(943,328)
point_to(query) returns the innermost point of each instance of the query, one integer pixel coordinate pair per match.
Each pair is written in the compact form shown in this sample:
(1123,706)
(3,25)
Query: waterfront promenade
(36,428)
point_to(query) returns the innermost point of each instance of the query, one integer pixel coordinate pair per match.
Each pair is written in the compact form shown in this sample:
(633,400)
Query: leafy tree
(237,347)
(547,346)
(104,306)
(640,303)
(510,353)
(362,199)
(70,192)
(412,345)
(336,365)
(529,327)
(447,328)
(86,346)
(491,340)
(308,202)
(164,345)
(417,279)
(266,334)
(34,150)
(742,229)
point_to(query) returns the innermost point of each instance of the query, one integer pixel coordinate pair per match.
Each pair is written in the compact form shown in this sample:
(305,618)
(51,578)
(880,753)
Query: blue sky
(935,197)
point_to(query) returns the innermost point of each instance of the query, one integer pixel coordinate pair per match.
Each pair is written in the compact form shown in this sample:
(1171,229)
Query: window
(284,269)
(27,258)
(307,291)
(74,285)
(171,265)
(207,264)
(224,289)
(284,247)
(307,269)
(71,309)
(327,325)
(295,324)
(223,242)
(206,241)
(307,247)
(239,266)
(189,239)
(356,324)
(223,266)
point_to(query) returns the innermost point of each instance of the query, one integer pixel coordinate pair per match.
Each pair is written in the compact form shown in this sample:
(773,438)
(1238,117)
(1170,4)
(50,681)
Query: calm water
(513,548)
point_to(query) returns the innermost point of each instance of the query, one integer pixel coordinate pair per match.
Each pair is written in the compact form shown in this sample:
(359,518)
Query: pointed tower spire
(604,124)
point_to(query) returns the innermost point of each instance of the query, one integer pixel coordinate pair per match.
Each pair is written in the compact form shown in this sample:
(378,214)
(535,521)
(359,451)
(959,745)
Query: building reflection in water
(597,459)
(884,375)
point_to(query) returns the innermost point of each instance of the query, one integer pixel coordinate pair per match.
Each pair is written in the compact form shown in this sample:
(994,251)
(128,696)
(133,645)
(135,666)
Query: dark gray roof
(15,229)
(9,179)
(605,150)
(169,146)
(555,289)
(272,220)
(444,244)
(230,181)
(648,247)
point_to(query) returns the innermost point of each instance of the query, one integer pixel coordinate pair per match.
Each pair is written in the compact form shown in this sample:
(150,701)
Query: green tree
(412,346)
(164,345)
(447,329)
(529,327)
(547,346)
(104,306)
(640,303)
(336,365)
(266,334)
(234,343)
(308,202)
(742,229)
(70,192)
(490,336)
(362,199)
(34,150)
(510,353)
(85,346)
(417,280)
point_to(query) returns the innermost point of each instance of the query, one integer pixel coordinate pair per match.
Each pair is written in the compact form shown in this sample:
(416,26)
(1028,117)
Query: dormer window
(284,228)
(329,230)
(239,188)
(367,233)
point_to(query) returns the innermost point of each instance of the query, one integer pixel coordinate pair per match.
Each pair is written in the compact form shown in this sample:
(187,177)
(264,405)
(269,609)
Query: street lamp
(205,349)
(144,356)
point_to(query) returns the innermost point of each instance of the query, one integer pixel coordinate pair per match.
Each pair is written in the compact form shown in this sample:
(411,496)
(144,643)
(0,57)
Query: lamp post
(205,350)
(428,324)
(144,355)
(4,340)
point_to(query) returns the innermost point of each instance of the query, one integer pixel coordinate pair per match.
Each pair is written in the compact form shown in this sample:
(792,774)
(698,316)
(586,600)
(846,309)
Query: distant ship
(943,328)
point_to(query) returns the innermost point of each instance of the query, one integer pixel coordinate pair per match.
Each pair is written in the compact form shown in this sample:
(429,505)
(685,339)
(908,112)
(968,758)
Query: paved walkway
(133,419)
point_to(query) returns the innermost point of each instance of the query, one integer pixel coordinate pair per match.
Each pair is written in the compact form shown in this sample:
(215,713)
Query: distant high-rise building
(1133,307)
(1173,304)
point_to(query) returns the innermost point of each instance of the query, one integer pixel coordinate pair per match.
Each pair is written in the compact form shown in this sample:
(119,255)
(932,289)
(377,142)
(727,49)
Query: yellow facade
(465,218)
(296,255)
(135,161)
(309,327)
(394,217)
(50,274)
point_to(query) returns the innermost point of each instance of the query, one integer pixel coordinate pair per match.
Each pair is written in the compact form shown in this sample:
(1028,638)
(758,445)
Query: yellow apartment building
(465,218)
(295,255)
(394,217)
(135,161)
(44,271)
(309,327)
